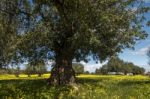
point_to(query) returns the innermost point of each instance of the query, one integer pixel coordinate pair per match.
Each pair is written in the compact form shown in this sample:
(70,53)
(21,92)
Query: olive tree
(76,29)
(38,68)
(78,68)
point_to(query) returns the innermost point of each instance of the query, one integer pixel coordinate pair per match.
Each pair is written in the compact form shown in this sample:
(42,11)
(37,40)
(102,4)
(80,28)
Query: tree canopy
(8,28)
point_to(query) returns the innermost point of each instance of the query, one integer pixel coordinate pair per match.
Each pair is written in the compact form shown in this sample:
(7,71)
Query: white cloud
(50,62)
(146,1)
(134,9)
(83,63)
(91,67)
(142,51)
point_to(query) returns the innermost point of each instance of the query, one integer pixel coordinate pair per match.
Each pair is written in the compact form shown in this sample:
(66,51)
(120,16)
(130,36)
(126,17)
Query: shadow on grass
(87,80)
(92,80)
(30,89)
(17,88)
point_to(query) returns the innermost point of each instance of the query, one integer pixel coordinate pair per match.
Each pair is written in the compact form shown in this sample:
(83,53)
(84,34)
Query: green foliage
(8,28)
(29,70)
(17,71)
(3,71)
(78,68)
(86,72)
(90,87)
(38,68)
(117,65)
(77,29)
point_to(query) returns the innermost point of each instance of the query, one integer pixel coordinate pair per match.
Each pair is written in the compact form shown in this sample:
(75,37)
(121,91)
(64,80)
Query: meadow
(88,87)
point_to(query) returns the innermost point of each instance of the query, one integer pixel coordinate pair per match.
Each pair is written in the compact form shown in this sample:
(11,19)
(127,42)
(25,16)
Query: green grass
(88,87)
(22,76)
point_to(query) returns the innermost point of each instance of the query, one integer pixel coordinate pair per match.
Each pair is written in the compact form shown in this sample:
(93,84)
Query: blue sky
(137,56)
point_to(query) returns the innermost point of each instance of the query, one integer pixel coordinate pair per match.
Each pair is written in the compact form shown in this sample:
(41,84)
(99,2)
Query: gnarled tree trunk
(39,75)
(62,73)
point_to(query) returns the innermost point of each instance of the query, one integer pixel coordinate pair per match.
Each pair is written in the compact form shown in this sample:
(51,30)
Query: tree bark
(29,75)
(62,73)
(39,75)
(17,74)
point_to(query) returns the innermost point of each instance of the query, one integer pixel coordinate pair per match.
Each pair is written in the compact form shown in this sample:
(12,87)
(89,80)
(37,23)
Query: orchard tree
(76,29)
(29,69)
(86,72)
(136,70)
(78,68)
(38,68)
(17,71)
(117,65)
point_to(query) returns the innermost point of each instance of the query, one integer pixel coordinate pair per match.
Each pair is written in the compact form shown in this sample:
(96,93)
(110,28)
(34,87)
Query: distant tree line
(117,65)
(78,68)
(11,70)
(38,68)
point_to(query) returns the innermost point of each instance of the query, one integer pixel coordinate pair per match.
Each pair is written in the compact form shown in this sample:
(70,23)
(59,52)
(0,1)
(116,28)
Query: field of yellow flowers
(88,87)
